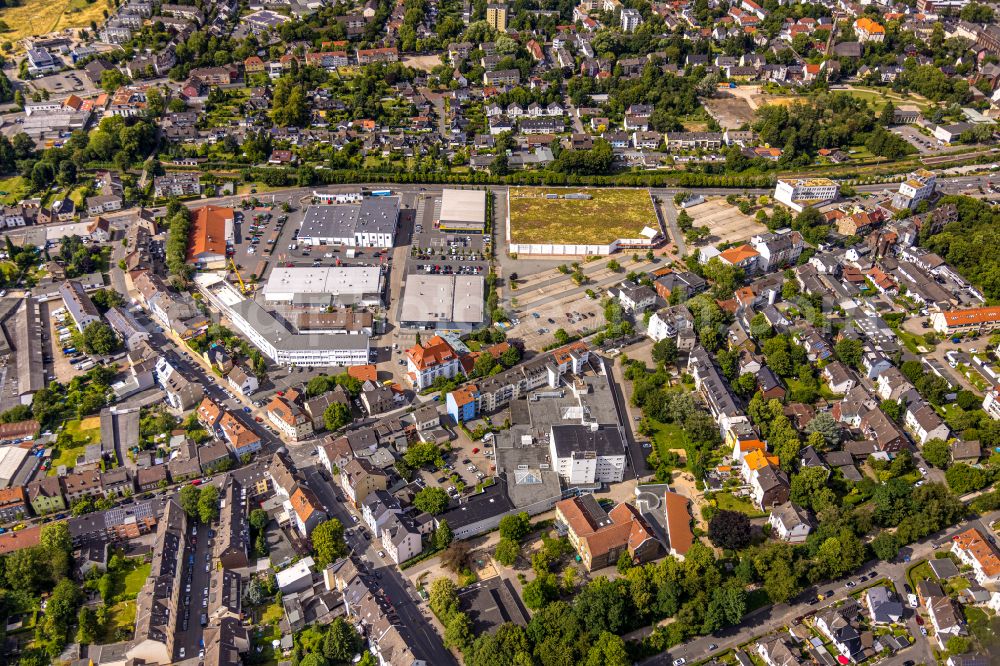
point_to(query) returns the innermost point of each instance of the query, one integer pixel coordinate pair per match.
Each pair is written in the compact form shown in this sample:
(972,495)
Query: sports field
(609,214)
(39,17)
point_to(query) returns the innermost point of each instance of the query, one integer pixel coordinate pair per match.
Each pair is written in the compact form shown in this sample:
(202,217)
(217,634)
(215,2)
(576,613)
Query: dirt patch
(726,223)
(729,111)
(423,62)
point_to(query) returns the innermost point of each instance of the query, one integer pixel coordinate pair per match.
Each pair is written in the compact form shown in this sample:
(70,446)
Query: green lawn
(981,625)
(122,623)
(265,632)
(729,502)
(666,436)
(918,573)
(80,433)
(135,579)
(13,190)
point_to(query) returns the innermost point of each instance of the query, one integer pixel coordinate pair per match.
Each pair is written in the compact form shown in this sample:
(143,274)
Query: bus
(380,193)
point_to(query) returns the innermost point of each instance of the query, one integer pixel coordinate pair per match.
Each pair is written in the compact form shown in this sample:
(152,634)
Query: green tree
(57,544)
(443,598)
(328,542)
(100,339)
(259,519)
(964,479)
(432,500)
(507,551)
(608,650)
(188,499)
(458,632)
(849,352)
(341,642)
(937,453)
(885,546)
(208,503)
(443,535)
(336,416)
(665,351)
(515,526)
(543,589)
(87,628)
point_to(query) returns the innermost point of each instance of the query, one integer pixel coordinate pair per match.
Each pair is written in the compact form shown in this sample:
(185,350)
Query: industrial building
(444,302)
(324,287)
(463,211)
(372,224)
(274,339)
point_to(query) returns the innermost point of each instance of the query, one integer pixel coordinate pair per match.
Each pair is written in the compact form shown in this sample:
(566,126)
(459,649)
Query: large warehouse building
(443,302)
(372,224)
(463,211)
(325,286)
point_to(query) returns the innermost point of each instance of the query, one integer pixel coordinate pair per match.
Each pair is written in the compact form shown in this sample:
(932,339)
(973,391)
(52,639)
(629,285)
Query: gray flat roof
(374,215)
(466,206)
(443,298)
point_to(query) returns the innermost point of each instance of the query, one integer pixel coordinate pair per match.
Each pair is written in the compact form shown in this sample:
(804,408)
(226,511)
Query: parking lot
(923,143)
(63,83)
(255,239)
(573,314)
(470,462)
(434,251)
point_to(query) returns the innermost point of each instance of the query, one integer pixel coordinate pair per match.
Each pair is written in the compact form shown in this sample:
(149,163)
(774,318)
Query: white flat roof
(11,458)
(443,298)
(463,206)
(324,280)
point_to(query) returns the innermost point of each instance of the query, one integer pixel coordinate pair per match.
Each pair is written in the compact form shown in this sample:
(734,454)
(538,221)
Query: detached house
(790,523)
(882,605)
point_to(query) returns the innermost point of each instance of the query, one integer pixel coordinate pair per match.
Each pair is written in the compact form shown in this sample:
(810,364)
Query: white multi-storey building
(587,453)
(801,193)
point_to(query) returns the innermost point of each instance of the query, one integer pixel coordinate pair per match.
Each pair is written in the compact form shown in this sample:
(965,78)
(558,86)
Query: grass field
(82,433)
(122,622)
(16,188)
(134,580)
(38,17)
(609,215)
(729,502)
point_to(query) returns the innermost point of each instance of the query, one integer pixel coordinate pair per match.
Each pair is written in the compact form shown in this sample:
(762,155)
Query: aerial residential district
(538,332)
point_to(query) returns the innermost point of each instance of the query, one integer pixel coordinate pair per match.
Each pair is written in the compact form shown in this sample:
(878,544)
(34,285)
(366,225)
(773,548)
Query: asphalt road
(414,619)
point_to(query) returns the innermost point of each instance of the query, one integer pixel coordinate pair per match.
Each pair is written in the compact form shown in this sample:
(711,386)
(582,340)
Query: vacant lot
(730,112)
(38,17)
(726,223)
(609,214)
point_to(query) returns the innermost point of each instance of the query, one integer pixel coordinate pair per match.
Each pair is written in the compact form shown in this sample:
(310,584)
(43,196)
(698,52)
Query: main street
(773,618)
